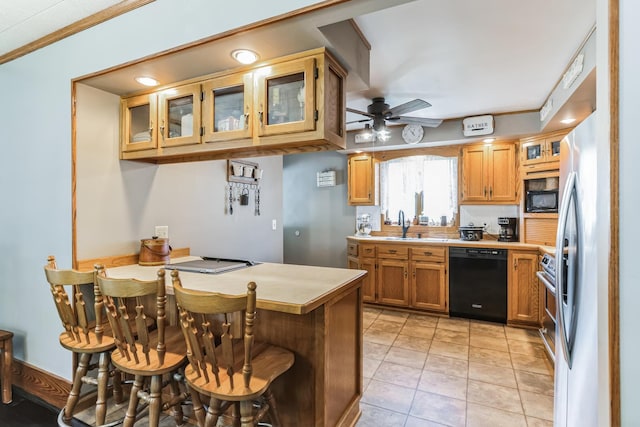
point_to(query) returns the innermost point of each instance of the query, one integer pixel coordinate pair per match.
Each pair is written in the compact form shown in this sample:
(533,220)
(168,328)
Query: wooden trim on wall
(81,25)
(614,232)
(120,260)
(48,387)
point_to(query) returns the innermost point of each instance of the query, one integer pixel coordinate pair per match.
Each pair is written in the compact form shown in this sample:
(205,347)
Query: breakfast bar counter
(314,311)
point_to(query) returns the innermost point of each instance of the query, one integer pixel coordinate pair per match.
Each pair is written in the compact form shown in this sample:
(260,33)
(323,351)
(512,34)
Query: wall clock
(412,133)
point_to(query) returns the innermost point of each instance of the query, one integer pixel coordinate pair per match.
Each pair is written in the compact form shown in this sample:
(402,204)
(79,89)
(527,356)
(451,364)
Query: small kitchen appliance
(470,232)
(508,229)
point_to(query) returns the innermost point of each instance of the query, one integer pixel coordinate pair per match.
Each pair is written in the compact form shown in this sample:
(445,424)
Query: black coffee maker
(508,229)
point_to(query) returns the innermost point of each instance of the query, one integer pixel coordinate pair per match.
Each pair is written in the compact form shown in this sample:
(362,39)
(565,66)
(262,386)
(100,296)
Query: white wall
(35,166)
(120,202)
(629,208)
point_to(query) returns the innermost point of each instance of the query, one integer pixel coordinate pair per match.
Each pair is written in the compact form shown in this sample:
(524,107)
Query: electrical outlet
(273,224)
(162,231)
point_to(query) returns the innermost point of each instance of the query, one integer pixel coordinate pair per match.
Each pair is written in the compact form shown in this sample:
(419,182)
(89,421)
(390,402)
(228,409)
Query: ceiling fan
(379,112)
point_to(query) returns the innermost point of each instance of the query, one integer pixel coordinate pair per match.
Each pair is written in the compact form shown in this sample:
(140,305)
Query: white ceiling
(24,21)
(465,57)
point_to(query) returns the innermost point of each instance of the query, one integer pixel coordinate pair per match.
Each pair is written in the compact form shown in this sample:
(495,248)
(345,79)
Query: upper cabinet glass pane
(555,148)
(180,116)
(286,99)
(534,152)
(228,109)
(139,129)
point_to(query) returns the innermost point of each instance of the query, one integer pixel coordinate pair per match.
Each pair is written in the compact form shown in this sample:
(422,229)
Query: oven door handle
(543,278)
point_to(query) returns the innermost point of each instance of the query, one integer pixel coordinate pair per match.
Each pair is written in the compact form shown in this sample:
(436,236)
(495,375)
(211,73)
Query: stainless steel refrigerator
(576,346)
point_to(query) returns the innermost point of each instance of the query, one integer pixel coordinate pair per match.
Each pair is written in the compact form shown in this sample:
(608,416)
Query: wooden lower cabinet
(428,286)
(523,306)
(393,282)
(369,282)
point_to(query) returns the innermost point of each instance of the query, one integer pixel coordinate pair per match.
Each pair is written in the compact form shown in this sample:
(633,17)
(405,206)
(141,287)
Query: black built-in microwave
(542,201)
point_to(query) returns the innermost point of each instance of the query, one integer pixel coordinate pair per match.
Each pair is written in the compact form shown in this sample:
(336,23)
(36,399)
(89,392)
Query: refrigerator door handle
(569,192)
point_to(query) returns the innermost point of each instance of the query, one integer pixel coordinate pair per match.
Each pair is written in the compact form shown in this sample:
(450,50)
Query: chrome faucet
(403,224)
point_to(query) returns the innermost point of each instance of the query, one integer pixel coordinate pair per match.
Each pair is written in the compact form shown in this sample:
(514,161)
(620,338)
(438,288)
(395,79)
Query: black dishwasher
(478,283)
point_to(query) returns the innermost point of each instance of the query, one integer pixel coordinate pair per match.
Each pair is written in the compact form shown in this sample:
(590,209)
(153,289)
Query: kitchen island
(314,311)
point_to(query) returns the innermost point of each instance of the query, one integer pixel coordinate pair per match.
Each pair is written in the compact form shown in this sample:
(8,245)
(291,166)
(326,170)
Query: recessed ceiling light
(147,81)
(244,56)
(488,140)
(567,121)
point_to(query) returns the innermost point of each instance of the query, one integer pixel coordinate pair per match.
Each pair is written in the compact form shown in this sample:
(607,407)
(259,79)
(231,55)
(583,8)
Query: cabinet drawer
(429,253)
(393,251)
(352,249)
(367,251)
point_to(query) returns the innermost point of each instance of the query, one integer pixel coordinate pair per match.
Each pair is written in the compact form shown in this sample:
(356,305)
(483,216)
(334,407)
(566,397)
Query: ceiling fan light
(383,135)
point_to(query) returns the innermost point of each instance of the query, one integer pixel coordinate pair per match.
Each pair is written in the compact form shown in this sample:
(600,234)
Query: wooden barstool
(82,335)
(225,363)
(6,351)
(146,355)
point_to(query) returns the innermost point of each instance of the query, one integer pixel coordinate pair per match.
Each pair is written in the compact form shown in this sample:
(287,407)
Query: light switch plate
(162,231)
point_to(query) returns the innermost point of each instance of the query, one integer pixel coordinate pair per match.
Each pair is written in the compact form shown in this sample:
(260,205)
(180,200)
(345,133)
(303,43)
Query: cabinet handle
(246,121)
(162,128)
(515,264)
(490,192)
(405,273)
(414,273)
(392,251)
(485,191)
(428,253)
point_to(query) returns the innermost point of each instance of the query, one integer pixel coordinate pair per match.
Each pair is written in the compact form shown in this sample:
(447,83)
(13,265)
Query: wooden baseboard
(48,387)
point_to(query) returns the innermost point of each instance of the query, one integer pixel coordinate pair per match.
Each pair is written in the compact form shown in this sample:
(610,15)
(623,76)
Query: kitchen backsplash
(374,213)
(486,214)
(476,214)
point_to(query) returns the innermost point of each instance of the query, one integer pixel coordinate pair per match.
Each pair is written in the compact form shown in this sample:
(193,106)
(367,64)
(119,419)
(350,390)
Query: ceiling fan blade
(358,121)
(407,107)
(362,113)
(423,121)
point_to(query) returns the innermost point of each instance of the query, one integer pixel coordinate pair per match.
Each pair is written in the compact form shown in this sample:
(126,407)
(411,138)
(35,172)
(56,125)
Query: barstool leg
(155,398)
(130,417)
(273,411)
(213,413)
(103,380)
(81,371)
(198,410)
(7,359)
(178,415)
(246,413)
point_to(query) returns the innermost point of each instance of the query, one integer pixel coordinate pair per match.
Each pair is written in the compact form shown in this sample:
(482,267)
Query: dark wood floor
(28,410)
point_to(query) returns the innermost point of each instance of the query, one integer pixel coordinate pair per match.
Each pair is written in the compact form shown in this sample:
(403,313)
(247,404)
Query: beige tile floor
(431,371)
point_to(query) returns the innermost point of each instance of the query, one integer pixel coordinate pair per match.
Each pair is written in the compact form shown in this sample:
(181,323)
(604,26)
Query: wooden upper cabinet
(541,152)
(362,180)
(475,185)
(285,97)
(489,174)
(228,108)
(139,118)
(179,114)
(286,105)
(502,173)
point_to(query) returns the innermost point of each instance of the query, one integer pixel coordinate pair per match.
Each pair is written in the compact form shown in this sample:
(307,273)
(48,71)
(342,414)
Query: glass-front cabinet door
(226,113)
(139,127)
(534,152)
(179,113)
(553,147)
(285,99)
